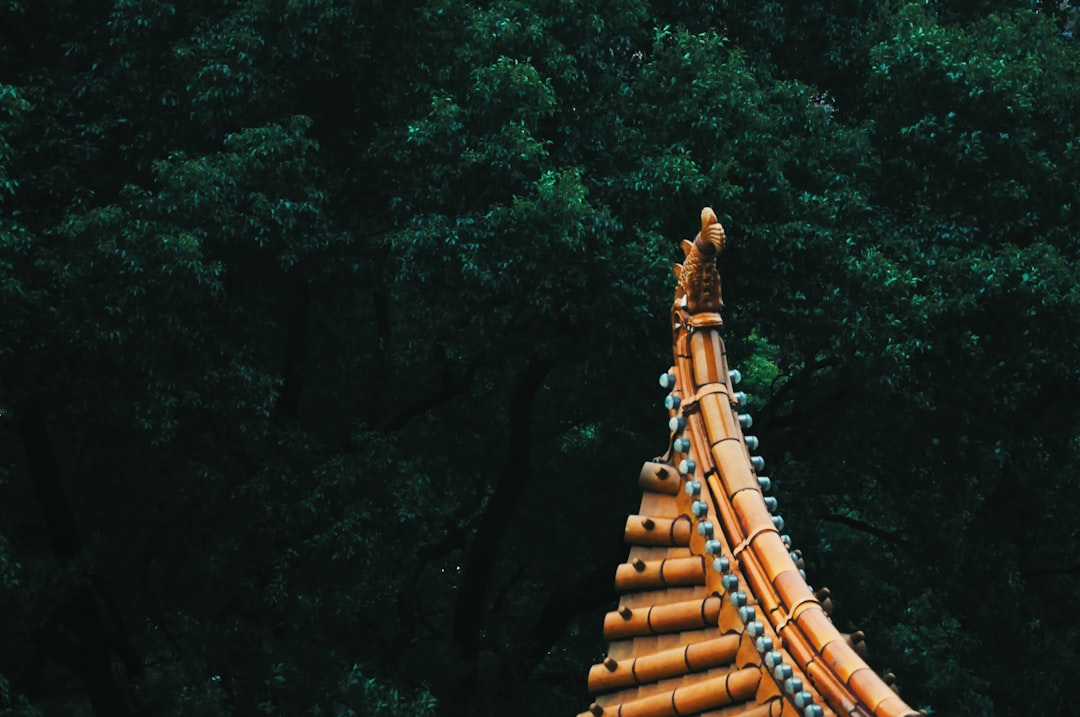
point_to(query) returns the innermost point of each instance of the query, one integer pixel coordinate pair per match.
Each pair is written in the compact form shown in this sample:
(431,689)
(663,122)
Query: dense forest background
(329,332)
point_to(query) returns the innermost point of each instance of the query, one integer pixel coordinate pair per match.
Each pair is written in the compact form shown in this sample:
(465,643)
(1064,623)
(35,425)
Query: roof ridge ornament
(698,290)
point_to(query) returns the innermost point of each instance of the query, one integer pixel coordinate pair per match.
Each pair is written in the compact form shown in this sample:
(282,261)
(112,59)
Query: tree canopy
(329,329)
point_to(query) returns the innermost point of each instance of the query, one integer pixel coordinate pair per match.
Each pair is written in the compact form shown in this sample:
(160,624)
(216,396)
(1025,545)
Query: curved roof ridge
(753,598)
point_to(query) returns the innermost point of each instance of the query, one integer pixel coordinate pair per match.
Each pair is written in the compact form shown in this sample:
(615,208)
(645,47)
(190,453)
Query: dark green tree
(329,329)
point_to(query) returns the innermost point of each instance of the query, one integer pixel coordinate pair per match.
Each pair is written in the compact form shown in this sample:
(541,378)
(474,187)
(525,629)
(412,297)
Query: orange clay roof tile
(674,662)
(640,574)
(716,618)
(659,478)
(659,619)
(644,530)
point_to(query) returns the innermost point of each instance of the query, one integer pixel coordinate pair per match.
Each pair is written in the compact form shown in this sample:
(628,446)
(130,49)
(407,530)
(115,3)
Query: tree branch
(796,418)
(796,380)
(451,388)
(1032,572)
(865,527)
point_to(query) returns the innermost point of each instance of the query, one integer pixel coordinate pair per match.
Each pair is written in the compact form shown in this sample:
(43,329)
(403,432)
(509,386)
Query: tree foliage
(329,328)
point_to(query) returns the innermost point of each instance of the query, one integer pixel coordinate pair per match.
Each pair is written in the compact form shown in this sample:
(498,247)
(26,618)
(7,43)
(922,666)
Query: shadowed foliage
(329,329)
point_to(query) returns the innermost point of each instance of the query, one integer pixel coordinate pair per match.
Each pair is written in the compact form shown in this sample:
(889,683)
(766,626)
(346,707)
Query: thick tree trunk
(593,590)
(296,347)
(81,613)
(515,474)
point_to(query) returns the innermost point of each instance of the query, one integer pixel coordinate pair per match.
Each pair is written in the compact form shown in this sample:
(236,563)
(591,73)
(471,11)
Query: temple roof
(716,617)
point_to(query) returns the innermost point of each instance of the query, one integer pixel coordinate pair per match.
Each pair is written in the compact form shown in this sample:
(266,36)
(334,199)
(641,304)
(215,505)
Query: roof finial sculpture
(698,290)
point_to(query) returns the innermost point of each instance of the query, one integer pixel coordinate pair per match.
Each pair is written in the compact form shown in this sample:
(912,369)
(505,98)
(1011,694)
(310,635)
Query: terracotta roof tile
(659,478)
(646,530)
(716,617)
(668,572)
(673,662)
